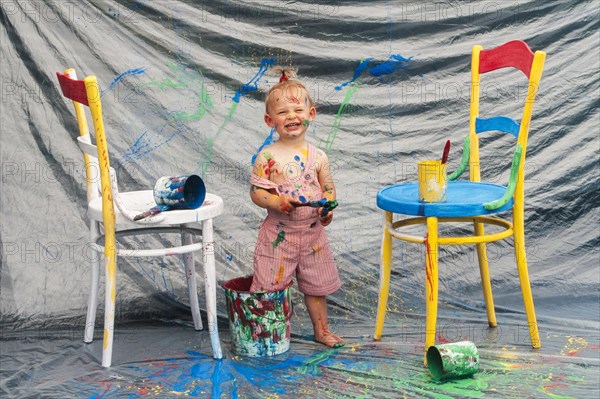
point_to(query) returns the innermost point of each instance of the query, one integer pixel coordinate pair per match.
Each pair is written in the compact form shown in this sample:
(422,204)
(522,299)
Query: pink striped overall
(295,243)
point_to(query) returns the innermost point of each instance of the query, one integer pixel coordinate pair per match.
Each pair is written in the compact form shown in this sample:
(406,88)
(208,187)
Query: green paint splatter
(193,80)
(338,117)
(210,142)
(279,239)
(311,365)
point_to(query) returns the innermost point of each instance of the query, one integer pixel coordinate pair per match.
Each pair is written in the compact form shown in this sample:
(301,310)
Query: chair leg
(484,271)
(190,274)
(385,270)
(110,296)
(521,258)
(210,280)
(92,306)
(431,283)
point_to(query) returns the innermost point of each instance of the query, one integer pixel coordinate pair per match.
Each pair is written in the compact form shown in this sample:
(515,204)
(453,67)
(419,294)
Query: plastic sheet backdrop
(182,87)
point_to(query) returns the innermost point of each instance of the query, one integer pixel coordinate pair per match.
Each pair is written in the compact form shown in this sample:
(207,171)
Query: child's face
(290,111)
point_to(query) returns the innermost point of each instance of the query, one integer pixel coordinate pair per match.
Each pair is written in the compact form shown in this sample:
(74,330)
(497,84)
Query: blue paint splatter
(142,146)
(394,62)
(252,85)
(268,141)
(363,66)
(136,71)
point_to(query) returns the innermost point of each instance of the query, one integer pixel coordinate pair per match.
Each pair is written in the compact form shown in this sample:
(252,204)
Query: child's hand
(284,205)
(325,220)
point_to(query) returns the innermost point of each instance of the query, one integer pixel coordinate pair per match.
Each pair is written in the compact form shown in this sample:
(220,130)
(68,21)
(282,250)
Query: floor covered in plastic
(167,360)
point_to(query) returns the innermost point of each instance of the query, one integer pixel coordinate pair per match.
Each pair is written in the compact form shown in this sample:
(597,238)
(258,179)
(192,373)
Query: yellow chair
(473,202)
(120,220)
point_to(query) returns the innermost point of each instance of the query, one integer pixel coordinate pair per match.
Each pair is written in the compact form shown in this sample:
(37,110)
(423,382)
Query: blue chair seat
(463,199)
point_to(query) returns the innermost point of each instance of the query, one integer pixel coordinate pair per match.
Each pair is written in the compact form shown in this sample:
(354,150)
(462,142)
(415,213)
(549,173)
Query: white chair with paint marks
(114,212)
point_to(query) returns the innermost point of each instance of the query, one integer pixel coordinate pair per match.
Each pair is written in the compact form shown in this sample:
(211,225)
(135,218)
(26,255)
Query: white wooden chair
(103,195)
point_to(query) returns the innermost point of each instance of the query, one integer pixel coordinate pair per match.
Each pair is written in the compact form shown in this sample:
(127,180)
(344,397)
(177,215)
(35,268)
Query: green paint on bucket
(259,322)
(452,360)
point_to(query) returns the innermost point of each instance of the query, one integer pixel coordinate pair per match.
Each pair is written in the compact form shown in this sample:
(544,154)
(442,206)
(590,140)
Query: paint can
(259,322)
(433,181)
(180,192)
(452,360)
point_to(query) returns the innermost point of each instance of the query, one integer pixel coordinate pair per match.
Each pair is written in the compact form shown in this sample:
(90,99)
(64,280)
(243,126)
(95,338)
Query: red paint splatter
(441,339)
(429,267)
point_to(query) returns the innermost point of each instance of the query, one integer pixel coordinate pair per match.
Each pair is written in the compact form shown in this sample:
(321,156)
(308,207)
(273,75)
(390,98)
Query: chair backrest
(515,54)
(92,168)
(87,92)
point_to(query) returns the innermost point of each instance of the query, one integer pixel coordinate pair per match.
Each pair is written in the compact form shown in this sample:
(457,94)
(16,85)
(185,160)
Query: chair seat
(141,201)
(463,199)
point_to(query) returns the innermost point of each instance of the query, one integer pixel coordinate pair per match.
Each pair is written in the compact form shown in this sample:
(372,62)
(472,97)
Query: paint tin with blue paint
(180,192)
(259,322)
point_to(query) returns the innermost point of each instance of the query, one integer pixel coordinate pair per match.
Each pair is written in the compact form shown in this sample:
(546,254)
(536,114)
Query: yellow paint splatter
(316,248)
(280,272)
(573,346)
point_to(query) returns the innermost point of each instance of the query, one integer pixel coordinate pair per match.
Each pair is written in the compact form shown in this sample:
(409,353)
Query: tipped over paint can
(452,360)
(180,192)
(259,322)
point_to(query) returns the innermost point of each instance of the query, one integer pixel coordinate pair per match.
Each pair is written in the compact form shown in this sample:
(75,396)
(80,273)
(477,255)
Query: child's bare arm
(268,199)
(326,181)
(325,176)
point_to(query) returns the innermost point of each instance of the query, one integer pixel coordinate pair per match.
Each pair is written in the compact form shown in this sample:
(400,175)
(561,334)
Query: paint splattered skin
(290,114)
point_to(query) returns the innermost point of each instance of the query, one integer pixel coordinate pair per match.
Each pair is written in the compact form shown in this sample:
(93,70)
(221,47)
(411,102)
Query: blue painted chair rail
(501,123)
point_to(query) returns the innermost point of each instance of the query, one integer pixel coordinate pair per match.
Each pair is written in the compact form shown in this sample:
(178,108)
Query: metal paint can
(433,181)
(452,360)
(259,322)
(180,192)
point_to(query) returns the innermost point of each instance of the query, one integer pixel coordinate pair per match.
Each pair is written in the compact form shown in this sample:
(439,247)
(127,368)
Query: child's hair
(285,83)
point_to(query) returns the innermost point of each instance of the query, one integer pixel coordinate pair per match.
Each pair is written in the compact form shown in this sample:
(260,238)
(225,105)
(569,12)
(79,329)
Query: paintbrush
(151,211)
(322,203)
(446,152)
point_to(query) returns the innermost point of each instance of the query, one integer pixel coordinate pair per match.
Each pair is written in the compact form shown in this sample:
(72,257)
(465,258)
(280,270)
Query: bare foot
(328,338)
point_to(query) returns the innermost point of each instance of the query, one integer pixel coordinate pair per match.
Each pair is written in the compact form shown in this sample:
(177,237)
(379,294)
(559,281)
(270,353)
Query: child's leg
(317,310)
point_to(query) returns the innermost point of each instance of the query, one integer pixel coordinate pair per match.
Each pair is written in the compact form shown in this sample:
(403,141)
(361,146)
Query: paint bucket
(180,192)
(452,360)
(433,181)
(259,322)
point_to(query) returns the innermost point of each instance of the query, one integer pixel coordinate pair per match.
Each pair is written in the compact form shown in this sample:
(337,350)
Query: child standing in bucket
(292,239)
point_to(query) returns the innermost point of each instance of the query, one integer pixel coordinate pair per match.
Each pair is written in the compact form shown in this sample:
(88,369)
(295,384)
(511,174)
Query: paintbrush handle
(446,152)
(322,203)
(150,212)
